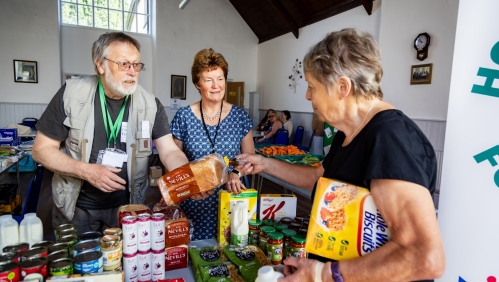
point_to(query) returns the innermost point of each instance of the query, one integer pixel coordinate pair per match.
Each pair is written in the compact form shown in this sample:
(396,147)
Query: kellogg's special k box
(277,206)
(345,222)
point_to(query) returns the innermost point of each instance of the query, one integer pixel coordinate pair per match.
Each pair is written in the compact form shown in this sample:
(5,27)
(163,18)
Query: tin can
(34,265)
(16,248)
(67,232)
(158,265)
(129,224)
(34,253)
(6,258)
(57,255)
(62,227)
(71,240)
(59,247)
(158,232)
(90,235)
(60,267)
(84,246)
(130,267)
(111,252)
(144,265)
(45,244)
(9,272)
(88,262)
(143,232)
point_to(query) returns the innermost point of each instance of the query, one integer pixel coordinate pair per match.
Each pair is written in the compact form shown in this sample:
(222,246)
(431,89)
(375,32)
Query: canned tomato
(83,246)
(88,262)
(62,227)
(90,235)
(34,265)
(6,258)
(9,272)
(143,232)
(130,267)
(158,265)
(63,266)
(67,232)
(59,247)
(144,265)
(158,232)
(57,255)
(71,240)
(45,244)
(17,248)
(129,224)
(34,253)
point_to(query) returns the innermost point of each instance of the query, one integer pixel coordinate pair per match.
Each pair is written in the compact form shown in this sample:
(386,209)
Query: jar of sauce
(254,231)
(280,227)
(300,219)
(286,220)
(111,252)
(297,248)
(263,237)
(295,226)
(274,247)
(269,222)
(287,239)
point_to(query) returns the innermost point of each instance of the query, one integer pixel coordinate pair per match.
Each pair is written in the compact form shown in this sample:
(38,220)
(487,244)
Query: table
(6,168)
(257,181)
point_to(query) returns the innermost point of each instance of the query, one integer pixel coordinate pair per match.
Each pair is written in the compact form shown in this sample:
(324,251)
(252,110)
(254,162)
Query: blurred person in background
(288,125)
(275,125)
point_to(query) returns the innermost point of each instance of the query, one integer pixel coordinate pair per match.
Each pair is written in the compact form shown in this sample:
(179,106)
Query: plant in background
(297,74)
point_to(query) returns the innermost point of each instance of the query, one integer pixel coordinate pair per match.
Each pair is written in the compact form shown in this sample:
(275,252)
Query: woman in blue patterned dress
(208,126)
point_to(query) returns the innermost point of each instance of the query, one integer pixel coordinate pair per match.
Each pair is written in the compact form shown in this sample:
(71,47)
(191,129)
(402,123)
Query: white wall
(277,57)
(180,34)
(401,22)
(28,31)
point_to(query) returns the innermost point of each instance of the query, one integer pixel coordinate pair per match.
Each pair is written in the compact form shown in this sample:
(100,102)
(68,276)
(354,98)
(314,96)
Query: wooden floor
(45,203)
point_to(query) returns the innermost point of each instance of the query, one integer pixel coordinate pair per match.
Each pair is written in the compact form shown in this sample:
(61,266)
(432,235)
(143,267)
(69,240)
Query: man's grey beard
(116,86)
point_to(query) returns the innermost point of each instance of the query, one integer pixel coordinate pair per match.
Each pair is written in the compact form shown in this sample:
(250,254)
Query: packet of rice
(345,222)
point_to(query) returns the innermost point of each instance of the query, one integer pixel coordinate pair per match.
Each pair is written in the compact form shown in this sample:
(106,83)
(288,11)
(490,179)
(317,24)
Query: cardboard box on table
(226,202)
(277,206)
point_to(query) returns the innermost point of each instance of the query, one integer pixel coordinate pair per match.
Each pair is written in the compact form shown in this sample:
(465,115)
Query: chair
(281,137)
(32,195)
(298,136)
(304,148)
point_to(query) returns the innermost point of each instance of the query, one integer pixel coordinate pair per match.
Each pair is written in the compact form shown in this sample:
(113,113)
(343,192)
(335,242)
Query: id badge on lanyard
(112,157)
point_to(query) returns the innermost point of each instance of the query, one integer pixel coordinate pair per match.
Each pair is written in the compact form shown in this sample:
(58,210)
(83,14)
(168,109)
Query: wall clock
(421,44)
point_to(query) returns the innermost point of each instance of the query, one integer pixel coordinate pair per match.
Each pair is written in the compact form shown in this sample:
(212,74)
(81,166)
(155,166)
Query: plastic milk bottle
(267,274)
(31,229)
(9,231)
(239,224)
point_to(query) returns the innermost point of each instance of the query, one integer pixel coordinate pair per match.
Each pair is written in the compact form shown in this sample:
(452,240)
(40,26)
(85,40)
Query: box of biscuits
(344,222)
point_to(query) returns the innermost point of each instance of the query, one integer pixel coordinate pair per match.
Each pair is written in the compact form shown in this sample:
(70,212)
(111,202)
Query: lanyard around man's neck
(113,129)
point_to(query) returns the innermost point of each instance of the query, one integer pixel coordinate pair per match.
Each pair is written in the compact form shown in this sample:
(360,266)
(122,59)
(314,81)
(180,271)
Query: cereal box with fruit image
(344,222)
(226,202)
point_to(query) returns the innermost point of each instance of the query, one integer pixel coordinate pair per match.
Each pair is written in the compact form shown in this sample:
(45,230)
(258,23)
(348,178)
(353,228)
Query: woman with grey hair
(377,147)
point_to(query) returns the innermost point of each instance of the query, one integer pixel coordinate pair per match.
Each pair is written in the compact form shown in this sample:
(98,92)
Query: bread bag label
(182,192)
(345,222)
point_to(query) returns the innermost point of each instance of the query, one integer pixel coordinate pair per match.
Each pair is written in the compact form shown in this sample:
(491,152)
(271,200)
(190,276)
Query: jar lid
(275,235)
(280,227)
(288,232)
(254,222)
(269,222)
(267,229)
(300,239)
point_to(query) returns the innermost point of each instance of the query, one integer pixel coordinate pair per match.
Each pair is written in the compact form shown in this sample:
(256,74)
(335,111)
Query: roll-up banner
(469,197)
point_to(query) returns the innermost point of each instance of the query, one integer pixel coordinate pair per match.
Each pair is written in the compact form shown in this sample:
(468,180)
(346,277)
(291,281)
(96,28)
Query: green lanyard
(114,129)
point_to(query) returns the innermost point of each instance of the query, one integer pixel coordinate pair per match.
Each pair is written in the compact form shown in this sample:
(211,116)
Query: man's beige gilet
(79,108)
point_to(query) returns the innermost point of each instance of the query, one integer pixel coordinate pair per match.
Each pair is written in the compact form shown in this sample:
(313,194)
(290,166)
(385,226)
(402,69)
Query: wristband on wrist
(335,270)
(237,172)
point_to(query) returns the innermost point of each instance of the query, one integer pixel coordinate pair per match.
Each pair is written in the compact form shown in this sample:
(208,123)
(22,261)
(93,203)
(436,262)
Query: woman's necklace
(355,131)
(203,115)
(217,115)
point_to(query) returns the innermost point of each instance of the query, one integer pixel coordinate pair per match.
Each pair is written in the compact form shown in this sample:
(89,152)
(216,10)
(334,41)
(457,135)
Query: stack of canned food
(280,239)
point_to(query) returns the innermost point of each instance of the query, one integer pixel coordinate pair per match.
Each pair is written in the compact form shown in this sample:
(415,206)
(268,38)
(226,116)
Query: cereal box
(344,223)
(277,206)
(226,202)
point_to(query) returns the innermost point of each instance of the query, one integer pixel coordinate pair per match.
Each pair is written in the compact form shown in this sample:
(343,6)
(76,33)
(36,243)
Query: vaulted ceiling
(272,18)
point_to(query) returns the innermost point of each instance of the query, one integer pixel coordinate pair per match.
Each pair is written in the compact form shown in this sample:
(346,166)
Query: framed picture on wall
(25,71)
(179,86)
(421,74)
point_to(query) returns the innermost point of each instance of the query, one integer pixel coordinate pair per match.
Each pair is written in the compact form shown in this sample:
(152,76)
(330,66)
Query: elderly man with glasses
(96,136)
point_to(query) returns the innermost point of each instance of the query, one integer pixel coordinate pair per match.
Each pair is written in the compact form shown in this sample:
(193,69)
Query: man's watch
(237,172)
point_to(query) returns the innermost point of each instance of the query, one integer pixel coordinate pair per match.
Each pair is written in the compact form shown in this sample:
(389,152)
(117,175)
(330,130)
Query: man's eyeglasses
(123,66)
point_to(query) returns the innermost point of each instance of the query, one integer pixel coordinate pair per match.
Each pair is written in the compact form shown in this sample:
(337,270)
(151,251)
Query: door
(235,93)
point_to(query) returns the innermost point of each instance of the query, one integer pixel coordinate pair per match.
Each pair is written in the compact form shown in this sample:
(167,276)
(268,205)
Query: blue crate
(8,136)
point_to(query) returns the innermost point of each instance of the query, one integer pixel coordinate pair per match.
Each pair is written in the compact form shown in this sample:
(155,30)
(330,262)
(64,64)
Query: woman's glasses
(271,116)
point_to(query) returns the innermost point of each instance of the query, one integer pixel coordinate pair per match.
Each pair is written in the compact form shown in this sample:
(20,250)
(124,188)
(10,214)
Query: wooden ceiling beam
(290,22)
(368,5)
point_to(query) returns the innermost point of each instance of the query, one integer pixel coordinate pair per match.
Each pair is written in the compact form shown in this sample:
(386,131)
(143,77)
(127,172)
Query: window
(124,15)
